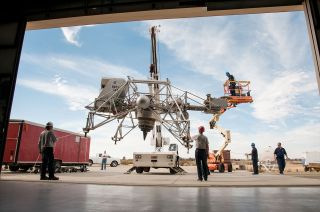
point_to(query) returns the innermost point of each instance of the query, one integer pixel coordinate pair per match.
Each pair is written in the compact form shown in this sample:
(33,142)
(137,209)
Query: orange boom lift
(220,159)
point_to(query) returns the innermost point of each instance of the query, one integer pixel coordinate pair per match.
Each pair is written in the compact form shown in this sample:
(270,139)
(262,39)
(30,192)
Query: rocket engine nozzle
(146,119)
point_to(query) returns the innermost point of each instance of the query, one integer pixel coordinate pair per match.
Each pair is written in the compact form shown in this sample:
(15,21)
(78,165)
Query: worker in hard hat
(279,154)
(254,158)
(46,143)
(201,154)
(232,84)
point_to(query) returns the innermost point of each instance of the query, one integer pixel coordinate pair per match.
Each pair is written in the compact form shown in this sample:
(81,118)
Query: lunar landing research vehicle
(153,104)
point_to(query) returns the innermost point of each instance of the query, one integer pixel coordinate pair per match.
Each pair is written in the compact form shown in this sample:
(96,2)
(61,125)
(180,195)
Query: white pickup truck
(113,162)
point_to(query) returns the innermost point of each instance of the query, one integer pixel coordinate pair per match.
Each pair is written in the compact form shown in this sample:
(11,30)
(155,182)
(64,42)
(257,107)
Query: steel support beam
(312,13)
(11,39)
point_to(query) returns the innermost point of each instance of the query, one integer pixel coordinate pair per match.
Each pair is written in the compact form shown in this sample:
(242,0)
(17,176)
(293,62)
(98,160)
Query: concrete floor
(44,196)
(161,177)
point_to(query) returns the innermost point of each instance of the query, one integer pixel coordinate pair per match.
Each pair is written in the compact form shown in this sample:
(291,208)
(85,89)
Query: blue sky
(61,69)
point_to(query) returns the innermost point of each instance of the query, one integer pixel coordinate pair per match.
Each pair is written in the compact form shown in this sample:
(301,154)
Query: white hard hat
(49,124)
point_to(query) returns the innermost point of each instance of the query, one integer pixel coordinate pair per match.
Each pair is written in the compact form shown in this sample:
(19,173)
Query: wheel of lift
(221,167)
(230,167)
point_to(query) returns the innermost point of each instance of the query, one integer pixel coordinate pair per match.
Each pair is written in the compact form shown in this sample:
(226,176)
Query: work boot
(54,178)
(44,178)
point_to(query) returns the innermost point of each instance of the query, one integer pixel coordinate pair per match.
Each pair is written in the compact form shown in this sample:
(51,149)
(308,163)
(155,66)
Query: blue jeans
(104,164)
(281,164)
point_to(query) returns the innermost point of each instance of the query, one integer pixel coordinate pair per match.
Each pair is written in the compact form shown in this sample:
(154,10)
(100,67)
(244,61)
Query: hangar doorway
(65,61)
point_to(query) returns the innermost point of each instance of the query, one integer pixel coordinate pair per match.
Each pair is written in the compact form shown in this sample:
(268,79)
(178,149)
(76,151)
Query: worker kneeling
(46,144)
(201,154)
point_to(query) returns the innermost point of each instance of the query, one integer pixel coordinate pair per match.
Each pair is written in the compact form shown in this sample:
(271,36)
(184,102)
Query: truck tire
(306,169)
(114,164)
(83,168)
(13,168)
(25,168)
(90,162)
(57,166)
(221,167)
(139,170)
(230,167)
(146,169)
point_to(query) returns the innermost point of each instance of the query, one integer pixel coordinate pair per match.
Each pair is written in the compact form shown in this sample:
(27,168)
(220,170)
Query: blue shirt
(280,152)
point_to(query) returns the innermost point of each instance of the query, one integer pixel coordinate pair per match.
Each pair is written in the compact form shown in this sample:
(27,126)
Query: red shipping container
(21,150)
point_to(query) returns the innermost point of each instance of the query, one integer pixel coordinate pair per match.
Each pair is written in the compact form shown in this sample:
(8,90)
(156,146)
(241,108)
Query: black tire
(57,166)
(306,169)
(139,170)
(13,168)
(26,168)
(90,162)
(230,167)
(221,167)
(114,164)
(146,169)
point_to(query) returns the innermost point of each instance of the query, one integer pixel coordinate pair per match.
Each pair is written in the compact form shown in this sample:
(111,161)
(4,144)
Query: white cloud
(71,34)
(270,50)
(76,95)
(84,66)
(278,100)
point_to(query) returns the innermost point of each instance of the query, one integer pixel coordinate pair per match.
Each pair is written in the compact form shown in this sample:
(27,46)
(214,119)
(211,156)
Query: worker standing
(104,161)
(201,154)
(232,84)
(279,154)
(46,143)
(254,158)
